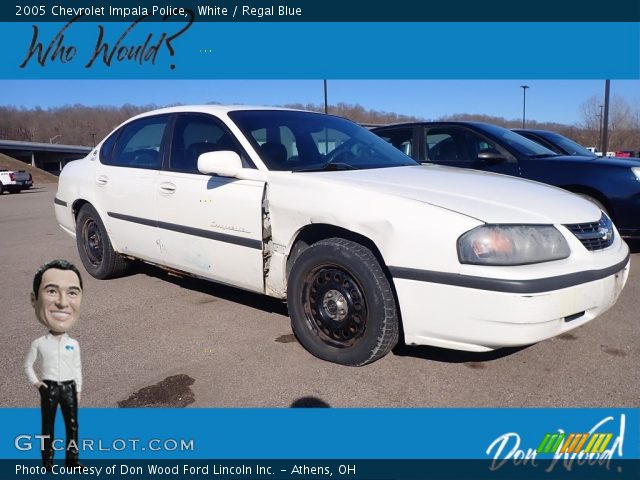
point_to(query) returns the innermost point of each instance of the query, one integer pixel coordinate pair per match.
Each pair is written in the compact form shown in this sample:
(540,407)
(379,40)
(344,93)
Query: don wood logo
(594,447)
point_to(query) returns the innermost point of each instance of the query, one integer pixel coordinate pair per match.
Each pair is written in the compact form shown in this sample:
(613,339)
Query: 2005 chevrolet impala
(362,241)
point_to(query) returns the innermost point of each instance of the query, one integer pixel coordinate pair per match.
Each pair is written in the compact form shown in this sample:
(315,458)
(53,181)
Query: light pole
(326,105)
(600,129)
(524,102)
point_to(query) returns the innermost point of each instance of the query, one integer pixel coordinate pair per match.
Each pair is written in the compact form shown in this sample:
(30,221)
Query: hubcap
(335,306)
(92,241)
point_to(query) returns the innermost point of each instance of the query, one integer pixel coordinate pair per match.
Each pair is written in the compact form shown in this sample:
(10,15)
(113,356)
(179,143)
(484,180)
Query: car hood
(619,161)
(488,197)
(610,161)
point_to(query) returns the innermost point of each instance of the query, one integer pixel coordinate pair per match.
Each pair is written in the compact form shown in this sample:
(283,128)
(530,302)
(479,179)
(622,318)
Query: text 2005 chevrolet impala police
(354,234)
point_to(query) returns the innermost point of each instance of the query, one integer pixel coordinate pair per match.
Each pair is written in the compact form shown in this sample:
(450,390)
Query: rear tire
(97,255)
(341,304)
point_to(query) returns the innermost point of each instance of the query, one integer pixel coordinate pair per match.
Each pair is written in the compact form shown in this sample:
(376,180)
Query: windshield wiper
(328,167)
(544,155)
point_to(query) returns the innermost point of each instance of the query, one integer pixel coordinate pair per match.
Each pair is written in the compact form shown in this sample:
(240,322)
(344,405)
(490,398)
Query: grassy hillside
(39,176)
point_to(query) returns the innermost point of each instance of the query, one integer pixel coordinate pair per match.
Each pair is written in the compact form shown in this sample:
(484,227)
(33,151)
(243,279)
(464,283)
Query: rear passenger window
(139,144)
(107,147)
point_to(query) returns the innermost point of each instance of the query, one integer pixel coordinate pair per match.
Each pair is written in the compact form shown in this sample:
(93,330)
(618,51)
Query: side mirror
(491,155)
(226,163)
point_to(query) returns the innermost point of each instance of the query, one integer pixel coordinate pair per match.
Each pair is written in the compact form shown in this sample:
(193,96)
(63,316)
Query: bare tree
(624,123)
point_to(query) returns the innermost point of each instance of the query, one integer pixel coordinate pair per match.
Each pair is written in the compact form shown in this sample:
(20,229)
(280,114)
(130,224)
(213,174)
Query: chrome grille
(594,235)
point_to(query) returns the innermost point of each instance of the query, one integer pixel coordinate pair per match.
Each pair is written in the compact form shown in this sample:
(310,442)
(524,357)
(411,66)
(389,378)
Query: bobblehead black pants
(63,394)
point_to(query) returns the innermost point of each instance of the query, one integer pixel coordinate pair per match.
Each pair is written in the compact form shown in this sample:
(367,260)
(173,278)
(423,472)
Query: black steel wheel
(335,305)
(341,304)
(97,255)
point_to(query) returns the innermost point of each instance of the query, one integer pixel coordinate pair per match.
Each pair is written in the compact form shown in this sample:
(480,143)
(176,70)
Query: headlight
(636,172)
(512,245)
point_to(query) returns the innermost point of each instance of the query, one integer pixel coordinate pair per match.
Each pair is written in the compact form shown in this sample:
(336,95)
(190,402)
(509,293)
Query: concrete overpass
(46,156)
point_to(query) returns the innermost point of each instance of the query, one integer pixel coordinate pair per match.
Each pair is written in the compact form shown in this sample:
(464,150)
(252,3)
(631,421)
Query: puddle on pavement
(568,336)
(475,365)
(290,338)
(614,352)
(173,391)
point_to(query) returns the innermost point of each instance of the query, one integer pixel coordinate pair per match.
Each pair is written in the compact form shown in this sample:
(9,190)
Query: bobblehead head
(57,299)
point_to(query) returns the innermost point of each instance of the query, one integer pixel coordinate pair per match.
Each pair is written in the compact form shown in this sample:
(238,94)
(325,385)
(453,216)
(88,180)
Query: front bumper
(474,319)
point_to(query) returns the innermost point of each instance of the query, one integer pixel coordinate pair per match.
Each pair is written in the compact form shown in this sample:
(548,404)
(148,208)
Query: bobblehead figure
(56,297)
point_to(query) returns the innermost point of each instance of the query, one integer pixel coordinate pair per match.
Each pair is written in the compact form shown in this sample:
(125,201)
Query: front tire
(97,255)
(341,304)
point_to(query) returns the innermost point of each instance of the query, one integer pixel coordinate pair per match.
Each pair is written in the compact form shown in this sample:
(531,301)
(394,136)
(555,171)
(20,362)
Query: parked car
(613,184)
(362,241)
(14,181)
(555,142)
(24,178)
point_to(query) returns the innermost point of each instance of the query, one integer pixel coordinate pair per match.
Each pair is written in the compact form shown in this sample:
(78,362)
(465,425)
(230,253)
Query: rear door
(125,184)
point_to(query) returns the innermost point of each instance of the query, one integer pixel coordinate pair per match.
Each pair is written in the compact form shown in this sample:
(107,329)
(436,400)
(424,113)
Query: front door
(456,146)
(209,226)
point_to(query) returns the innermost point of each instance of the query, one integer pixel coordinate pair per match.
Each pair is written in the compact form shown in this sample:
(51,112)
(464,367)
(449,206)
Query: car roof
(211,109)
(541,132)
(435,122)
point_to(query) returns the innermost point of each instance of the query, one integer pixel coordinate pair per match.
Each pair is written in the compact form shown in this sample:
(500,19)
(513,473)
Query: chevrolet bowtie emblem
(605,233)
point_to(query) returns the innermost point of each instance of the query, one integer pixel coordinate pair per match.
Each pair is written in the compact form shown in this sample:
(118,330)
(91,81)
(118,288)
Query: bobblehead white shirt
(57,307)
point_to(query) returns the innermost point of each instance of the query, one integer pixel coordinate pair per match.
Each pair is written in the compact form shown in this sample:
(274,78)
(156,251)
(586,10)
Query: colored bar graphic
(591,442)
(546,438)
(553,442)
(582,442)
(606,442)
(596,445)
(570,443)
(558,443)
(550,443)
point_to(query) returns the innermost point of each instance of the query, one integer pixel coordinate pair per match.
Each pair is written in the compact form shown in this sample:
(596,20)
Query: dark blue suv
(611,183)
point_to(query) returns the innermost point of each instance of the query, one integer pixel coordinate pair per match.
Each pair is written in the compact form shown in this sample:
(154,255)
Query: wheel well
(77,205)
(594,194)
(316,232)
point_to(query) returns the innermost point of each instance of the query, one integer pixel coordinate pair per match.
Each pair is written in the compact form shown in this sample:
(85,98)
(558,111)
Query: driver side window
(195,134)
(446,145)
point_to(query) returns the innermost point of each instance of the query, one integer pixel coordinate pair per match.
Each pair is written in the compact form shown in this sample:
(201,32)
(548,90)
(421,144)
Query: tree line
(83,125)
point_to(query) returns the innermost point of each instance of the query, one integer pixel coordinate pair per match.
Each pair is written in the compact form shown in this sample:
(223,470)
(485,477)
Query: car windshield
(305,141)
(519,143)
(566,144)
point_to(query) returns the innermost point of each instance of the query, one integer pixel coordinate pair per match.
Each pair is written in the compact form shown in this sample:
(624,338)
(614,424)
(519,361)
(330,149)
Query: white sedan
(362,241)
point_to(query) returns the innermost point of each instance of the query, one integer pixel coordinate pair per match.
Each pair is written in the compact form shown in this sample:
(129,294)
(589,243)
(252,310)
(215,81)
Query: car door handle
(167,187)
(102,179)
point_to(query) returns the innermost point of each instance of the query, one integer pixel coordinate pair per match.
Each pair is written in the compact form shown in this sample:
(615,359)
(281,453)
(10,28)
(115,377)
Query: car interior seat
(275,154)
(445,150)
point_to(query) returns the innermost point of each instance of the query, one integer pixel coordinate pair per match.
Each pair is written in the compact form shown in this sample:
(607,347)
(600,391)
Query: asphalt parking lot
(153,339)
